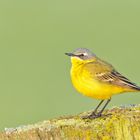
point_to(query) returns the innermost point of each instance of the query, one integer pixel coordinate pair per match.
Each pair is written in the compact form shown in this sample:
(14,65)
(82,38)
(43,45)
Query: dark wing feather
(104,72)
(116,78)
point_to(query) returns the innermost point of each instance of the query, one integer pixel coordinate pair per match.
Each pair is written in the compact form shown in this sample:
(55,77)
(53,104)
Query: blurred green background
(34,72)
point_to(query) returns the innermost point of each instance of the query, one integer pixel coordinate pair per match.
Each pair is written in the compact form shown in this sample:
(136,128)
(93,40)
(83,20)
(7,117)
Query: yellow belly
(88,86)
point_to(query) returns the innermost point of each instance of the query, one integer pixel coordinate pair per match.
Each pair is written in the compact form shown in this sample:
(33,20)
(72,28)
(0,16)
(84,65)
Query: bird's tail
(137,88)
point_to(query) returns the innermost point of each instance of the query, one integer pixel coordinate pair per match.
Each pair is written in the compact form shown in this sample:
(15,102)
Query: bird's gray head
(82,53)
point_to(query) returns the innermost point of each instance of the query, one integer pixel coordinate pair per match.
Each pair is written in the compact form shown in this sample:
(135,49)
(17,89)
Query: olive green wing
(116,78)
(105,73)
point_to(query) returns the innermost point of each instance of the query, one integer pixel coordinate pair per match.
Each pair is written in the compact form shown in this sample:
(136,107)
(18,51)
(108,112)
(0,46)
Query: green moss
(123,123)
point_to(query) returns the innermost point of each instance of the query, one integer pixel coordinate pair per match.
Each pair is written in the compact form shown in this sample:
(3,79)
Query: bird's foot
(95,116)
(92,116)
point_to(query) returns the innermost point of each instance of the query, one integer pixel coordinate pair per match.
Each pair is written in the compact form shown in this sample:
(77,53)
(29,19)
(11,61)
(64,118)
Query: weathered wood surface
(123,123)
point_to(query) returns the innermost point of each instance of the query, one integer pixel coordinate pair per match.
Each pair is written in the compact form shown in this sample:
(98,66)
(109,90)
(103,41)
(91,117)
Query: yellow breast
(87,85)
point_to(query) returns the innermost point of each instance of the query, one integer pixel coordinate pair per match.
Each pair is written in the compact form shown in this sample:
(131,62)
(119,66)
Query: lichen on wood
(118,123)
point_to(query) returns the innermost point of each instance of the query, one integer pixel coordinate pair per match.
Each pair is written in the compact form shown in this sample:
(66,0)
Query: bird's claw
(92,116)
(95,116)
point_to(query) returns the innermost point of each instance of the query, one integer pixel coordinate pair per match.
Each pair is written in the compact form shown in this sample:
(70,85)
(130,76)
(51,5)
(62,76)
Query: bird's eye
(81,55)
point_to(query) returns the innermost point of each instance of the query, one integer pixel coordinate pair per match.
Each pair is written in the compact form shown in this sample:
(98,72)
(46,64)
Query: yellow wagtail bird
(96,78)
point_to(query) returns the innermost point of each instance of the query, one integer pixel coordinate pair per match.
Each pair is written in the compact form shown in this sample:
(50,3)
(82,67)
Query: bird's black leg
(93,114)
(100,113)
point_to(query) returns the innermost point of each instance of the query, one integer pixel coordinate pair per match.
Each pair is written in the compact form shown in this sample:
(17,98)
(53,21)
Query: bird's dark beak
(70,54)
